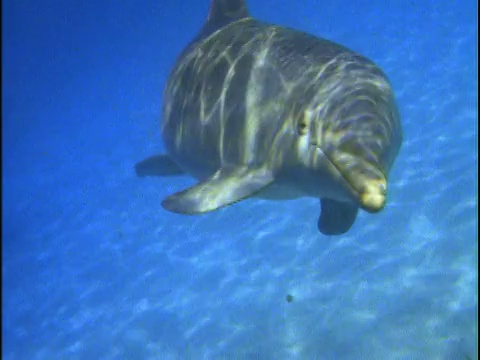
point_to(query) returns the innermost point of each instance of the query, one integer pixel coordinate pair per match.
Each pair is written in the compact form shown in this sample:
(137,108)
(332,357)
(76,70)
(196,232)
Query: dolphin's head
(352,136)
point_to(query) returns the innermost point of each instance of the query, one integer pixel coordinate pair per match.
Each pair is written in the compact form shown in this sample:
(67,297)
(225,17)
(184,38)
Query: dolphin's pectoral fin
(226,186)
(336,217)
(157,165)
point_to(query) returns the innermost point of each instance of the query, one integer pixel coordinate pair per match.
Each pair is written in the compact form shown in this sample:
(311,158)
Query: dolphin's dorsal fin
(223,12)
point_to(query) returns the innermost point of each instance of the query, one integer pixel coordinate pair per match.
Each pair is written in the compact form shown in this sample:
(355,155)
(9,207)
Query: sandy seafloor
(94,268)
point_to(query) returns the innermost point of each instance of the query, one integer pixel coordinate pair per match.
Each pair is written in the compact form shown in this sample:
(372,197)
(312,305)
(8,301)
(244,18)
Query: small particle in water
(289,298)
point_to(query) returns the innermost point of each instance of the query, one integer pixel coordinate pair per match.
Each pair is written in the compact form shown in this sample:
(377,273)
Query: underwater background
(94,268)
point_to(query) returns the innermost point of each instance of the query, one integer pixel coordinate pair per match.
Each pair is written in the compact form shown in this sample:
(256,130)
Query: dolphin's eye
(304,121)
(302,126)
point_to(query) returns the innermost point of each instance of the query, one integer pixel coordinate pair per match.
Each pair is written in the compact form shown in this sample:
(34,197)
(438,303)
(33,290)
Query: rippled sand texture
(93,268)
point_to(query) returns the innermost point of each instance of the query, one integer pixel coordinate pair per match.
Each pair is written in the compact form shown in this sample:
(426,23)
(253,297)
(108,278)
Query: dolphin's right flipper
(157,165)
(336,217)
(226,186)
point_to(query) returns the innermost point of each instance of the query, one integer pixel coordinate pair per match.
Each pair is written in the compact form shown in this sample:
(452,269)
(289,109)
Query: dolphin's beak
(366,183)
(374,195)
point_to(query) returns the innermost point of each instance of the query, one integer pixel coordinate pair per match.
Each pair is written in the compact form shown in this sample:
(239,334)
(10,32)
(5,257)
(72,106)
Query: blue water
(94,268)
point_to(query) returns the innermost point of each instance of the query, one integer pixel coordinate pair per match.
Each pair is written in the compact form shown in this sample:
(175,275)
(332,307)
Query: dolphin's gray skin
(252,108)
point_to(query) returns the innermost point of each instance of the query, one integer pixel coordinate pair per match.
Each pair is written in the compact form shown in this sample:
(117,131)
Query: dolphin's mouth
(365,183)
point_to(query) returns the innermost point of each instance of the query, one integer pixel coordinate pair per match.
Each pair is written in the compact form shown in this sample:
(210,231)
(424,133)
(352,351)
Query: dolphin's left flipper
(336,217)
(226,186)
(157,165)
